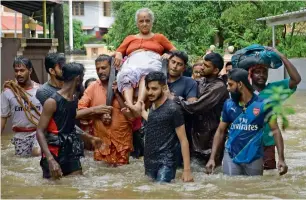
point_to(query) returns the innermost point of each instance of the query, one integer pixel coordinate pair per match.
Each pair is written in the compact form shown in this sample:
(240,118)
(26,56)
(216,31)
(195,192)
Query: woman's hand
(118,60)
(165,56)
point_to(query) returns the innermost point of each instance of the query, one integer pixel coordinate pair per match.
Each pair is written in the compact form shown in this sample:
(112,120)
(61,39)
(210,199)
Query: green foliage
(275,102)
(79,38)
(193,26)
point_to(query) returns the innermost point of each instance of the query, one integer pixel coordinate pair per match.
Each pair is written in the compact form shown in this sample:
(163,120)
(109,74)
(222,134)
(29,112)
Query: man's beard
(103,77)
(158,97)
(235,96)
(58,77)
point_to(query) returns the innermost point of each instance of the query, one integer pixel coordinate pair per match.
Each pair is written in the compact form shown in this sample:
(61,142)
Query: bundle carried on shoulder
(256,55)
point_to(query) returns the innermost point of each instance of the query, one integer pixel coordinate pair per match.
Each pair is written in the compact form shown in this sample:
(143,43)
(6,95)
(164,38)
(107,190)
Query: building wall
(104,21)
(300,64)
(93,15)
(281,73)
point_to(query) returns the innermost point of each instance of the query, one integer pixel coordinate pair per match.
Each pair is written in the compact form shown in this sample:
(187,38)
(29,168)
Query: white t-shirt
(11,108)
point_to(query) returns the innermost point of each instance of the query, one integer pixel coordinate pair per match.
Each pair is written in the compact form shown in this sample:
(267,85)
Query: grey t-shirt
(45,92)
(160,135)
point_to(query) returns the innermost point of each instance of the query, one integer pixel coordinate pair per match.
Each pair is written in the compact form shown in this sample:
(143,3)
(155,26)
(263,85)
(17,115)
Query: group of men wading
(205,118)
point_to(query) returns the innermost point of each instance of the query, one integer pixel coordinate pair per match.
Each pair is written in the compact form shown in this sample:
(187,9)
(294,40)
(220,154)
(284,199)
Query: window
(107,9)
(78,8)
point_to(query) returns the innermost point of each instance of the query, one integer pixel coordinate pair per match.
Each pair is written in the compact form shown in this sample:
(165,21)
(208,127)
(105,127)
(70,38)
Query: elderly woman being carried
(144,51)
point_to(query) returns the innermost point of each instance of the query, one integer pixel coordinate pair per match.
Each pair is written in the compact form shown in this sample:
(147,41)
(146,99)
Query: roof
(8,23)
(30,7)
(286,18)
(87,27)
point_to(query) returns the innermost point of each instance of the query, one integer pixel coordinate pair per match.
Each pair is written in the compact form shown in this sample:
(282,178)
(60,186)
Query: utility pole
(15,32)
(70,26)
(59,27)
(45,18)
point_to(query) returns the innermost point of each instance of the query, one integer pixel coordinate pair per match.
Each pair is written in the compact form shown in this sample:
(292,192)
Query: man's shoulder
(172,106)
(229,103)
(282,83)
(92,87)
(7,92)
(188,79)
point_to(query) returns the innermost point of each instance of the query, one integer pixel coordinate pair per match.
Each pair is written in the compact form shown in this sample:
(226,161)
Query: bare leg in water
(142,94)
(128,97)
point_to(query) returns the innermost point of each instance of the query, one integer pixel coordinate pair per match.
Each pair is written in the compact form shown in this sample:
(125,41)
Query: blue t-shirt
(184,87)
(244,142)
(268,139)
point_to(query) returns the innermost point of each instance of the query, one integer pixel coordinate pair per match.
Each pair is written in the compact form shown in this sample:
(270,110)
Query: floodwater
(22,177)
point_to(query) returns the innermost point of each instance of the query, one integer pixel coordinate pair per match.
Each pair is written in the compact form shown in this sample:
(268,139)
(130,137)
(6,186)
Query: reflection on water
(22,177)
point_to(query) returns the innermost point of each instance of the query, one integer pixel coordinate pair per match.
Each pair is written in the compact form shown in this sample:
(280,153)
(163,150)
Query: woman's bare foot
(138,107)
(133,109)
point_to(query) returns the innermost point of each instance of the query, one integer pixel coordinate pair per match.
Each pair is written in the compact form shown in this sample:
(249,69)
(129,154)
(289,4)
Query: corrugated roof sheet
(282,15)
(30,7)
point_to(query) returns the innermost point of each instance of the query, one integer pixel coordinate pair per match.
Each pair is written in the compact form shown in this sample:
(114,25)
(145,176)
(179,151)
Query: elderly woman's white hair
(147,10)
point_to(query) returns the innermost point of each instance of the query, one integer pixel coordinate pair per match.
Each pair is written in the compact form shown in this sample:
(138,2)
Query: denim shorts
(162,174)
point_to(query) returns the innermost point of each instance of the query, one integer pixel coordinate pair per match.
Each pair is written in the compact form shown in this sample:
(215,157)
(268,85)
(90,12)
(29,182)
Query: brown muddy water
(22,177)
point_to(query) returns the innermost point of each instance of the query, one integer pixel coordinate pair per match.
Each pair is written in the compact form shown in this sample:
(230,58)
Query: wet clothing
(268,139)
(45,92)
(206,112)
(70,165)
(244,143)
(24,145)
(117,135)
(63,142)
(269,157)
(138,138)
(186,88)
(24,131)
(230,168)
(160,137)
(163,173)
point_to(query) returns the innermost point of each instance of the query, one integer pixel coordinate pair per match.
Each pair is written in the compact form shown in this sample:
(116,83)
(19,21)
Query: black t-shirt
(45,92)
(160,135)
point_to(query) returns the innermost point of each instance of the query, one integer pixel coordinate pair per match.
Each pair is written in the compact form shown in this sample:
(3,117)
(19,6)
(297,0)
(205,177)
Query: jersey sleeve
(224,115)
(285,83)
(5,105)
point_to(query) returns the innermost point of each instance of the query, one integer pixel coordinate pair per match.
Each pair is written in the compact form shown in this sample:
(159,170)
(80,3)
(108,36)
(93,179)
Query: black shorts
(67,167)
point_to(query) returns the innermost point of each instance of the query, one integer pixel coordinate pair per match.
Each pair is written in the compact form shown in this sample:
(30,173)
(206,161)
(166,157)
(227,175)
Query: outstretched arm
(207,101)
